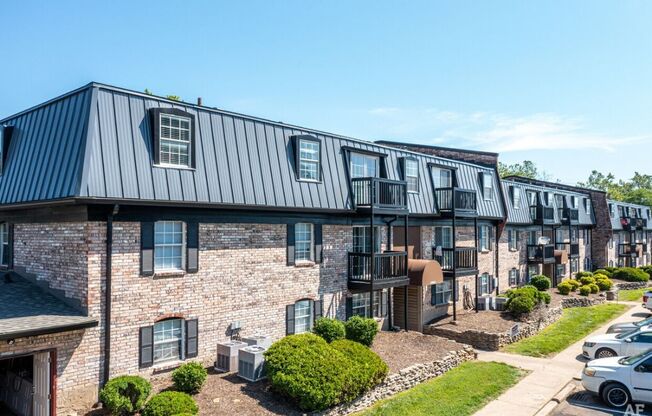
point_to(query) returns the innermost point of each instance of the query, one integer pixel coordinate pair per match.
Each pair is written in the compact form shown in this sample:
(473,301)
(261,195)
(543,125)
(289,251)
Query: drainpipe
(107,292)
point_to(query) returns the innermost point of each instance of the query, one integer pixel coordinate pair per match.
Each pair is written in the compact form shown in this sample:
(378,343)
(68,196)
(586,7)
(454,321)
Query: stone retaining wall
(631,285)
(582,302)
(404,380)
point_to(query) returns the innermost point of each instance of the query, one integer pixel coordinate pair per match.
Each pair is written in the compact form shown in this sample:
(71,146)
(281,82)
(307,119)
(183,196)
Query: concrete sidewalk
(548,375)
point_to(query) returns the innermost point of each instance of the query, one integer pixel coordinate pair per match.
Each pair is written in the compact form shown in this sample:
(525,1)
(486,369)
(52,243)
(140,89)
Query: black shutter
(317,309)
(192,243)
(290,238)
(491,237)
(289,319)
(10,246)
(146,347)
(192,336)
(349,308)
(156,133)
(318,243)
(147,248)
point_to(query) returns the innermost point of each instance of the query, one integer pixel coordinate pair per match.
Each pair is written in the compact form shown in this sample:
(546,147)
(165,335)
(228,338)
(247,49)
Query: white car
(619,380)
(647,300)
(623,344)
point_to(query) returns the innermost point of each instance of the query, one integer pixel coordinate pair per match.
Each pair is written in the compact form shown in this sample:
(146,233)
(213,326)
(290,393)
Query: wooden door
(41,404)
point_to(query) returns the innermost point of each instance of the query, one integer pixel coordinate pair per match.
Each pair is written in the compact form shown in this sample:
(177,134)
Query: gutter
(107,292)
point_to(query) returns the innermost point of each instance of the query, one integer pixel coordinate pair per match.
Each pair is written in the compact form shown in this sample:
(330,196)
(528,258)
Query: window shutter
(192,337)
(289,319)
(317,311)
(290,238)
(146,348)
(438,236)
(147,248)
(318,243)
(156,132)
(481,180)
(349,308)
(192,247)
(10,246)
(490,240)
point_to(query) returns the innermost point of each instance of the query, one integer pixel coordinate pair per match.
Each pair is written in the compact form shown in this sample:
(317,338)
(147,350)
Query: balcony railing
(456,200)
(573,249)
(459,258)
(631,249)
(569,215)
(379,193)
(633,223)
(541,253)
(388,266)
(542,215)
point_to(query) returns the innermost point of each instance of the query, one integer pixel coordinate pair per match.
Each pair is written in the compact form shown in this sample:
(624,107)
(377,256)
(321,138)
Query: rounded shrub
(565,288)
(611,269)
(585,290)
(329,329)
(362,330)
(587,280)
(367,371)
(585,273)
(125,395)
(521,304)
(170,403)
(602,271)
(594,288)
(189,378)
(541,282)
(574,283)
(603,282)
(631,274)
(545,297)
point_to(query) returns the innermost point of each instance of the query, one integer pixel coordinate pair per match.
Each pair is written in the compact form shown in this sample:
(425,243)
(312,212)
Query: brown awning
(561,256)
(424,272)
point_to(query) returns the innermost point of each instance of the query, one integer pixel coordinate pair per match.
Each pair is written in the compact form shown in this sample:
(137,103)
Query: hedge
(603,271)
(368,368)
(525,299)
(541,282)
(631,274)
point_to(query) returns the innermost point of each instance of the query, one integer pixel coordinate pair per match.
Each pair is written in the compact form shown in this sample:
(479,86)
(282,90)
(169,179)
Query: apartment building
(630,242)
(140,231)
(548,231)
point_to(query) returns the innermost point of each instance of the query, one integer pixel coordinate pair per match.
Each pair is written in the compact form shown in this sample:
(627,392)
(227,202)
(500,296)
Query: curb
(559,397)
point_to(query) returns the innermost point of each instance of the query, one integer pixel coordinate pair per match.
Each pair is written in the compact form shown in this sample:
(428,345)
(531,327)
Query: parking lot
(582,403)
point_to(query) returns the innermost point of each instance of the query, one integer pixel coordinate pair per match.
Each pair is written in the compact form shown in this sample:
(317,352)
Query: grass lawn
(574,325)
(632,295)
(461,391)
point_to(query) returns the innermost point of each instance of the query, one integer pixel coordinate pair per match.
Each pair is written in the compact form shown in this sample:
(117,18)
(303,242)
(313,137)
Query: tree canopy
(637,190)
(527,169)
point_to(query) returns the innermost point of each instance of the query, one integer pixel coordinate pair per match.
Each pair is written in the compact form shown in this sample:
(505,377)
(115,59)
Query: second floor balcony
(459,261)
(379,193)
(541,253)
(573,249)
(542,215)
(457,201)
(381,270)
(630,224)
(632,249)
(569,216)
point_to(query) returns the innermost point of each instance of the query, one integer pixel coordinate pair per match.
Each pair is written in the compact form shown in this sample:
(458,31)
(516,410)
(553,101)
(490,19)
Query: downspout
(107,292)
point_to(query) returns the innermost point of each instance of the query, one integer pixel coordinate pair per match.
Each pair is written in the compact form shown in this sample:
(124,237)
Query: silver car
(628,326)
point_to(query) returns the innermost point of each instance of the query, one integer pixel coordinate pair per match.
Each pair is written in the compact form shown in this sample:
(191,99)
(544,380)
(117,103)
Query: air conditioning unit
(264,341)
(499,303)
(251,363)
(484,303)
(227,356)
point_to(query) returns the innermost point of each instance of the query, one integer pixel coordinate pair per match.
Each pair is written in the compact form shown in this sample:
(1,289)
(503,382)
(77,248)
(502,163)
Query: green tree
(527,169)
(637,190)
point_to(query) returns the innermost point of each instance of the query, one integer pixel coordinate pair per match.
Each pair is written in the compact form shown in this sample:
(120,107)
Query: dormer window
(532,197)
(516,197)
(411,169)
(487,186)
(174,136)
(364,166)
(309,159)
(574,202)
(587,206)
(611,210)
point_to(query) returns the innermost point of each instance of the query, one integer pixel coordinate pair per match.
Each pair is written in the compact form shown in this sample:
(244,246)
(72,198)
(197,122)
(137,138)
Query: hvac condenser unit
(264,341)
(251,363)
(227,356)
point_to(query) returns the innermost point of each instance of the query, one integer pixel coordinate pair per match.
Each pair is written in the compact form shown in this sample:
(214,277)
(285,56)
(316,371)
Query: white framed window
(412,175)
(514,277)
(175,140)
(362,239)
(574,265)
(364,166)
(587,264)
(485,240)
(169,245)
(168,337)
(4,244)
(516,197)
(561,270)
(303,316)
(559,235)
(303,242)
(442,293)
(487,186)
(587,206)
(573,235)
(532,237)
(532,270)
(361,304)
(309,160)
(546,198)
(532,197)
(611,210)
(512,239)
(443,236)
(574,201)
(484,285)
(611,243)
(442,178)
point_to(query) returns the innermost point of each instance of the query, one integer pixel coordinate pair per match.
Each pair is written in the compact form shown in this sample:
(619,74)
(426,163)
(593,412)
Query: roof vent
(199,101)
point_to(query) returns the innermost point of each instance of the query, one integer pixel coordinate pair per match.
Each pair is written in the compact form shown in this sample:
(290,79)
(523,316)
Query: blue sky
(565,84)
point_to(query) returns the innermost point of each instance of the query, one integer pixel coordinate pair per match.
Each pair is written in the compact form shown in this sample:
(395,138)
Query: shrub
(541,282)
(565,288)
(587,280)
(169,403)
(362,330)
(329,329)
(367,368)
(631,274)
(585,290)
(125,395)
(575,283)
(594,288)
(611,269)
(524,299)
(189,377)
(521,304)
(545,297)
(647,269)
(602,271)
(603,282)
(579,275)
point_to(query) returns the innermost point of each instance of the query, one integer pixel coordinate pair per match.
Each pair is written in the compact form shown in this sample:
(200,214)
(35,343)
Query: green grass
(461,391)
(574,325)
(632,295)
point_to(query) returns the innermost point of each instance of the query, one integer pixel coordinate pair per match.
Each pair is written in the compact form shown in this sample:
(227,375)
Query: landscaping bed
(631,295)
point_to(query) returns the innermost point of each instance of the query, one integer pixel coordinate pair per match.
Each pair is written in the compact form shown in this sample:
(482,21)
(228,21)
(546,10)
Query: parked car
(619,380)
(647,300)
(628,326)
(623,344)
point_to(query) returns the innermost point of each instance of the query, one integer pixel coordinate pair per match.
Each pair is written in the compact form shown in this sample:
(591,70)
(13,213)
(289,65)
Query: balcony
(383,195)
(569,216)
(459,261)
(542,215)
(632,249)
(630,224)
(573,249)
(541,253)
(457,201)
(389,270)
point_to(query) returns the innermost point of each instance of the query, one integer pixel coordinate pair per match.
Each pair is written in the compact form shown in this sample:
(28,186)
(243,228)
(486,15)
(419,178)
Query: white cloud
(494,131)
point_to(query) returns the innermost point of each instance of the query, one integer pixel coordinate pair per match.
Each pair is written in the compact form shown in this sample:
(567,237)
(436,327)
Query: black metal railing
(541,214)
(379,193)
(631,249)
(449,199)
(629,223)
(387,266)
(541,253)
(459,258)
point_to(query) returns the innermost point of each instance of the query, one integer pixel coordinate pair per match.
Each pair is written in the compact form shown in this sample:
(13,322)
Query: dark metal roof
(615,219)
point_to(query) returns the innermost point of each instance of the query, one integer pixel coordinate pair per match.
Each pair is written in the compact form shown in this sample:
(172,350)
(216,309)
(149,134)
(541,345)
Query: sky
(566,84)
